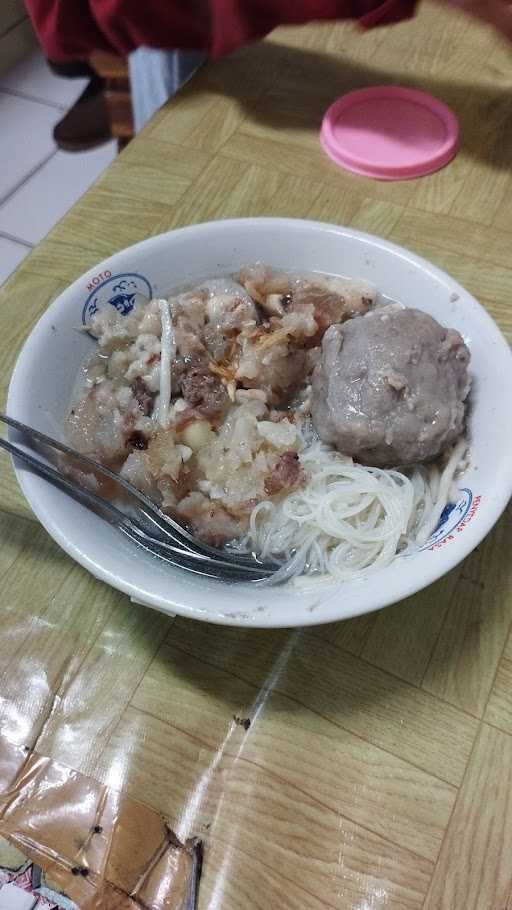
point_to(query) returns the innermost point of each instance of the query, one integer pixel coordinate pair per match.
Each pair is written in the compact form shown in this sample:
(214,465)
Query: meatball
(390,387)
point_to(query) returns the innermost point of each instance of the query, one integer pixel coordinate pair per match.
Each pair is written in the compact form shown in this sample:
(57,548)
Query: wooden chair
(115,71)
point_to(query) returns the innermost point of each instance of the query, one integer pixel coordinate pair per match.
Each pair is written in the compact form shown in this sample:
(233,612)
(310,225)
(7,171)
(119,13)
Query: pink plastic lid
(390,133)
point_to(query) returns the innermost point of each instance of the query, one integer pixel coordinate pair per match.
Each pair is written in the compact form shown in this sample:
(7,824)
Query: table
(376,773)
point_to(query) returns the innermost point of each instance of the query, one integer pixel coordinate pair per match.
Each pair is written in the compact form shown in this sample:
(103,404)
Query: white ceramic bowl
(47,367)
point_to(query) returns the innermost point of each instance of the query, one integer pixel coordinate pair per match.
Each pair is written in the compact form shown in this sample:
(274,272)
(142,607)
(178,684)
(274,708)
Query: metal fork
(157,532)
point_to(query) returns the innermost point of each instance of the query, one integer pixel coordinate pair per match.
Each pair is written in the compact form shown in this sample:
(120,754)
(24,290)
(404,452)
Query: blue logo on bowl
(454,518)
(118,291)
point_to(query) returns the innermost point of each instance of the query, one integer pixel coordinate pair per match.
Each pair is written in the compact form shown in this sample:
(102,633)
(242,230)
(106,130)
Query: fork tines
(157,532)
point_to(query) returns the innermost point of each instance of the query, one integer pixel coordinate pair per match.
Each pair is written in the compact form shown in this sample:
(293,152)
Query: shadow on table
(445,642)
(286,671)
(293,87)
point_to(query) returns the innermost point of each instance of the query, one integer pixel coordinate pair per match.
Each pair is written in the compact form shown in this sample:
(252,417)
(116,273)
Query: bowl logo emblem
(455,517)
(118,291)
(123,302)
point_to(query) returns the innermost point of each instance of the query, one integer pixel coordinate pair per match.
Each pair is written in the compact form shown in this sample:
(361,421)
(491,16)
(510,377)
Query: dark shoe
(86,125)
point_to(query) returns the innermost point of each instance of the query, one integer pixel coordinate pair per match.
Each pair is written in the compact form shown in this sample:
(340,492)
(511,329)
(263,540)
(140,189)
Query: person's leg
(86,124)
(72,69)
(155,76)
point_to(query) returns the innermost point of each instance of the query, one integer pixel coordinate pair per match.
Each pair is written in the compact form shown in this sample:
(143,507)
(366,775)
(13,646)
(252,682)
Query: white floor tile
(26,138)
(46,197)
(14,898)
(33,77)
(11,254)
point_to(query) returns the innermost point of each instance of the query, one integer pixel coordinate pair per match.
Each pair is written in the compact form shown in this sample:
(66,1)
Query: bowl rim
(495,508)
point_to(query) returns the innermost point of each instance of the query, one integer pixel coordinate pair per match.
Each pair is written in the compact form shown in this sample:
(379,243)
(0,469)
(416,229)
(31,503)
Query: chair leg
(117,95)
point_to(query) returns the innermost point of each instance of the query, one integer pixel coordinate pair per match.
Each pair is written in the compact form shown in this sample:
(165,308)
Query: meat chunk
(136,470)
(333,300)
(208,318)
(298,311)
(390,387)
(260,281)
(166,456)
(230,310)
(143,396)
(114,329)
(189,319)
(328,299)
(202,390)
(220,345)
(209,520)
(272,364)
(286,475)
(101,423)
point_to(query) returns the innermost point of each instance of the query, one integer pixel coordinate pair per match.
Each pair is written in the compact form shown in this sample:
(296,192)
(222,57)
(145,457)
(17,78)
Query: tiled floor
(38,183)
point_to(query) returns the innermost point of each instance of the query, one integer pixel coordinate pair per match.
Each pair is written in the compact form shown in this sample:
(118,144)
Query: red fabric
(73,29)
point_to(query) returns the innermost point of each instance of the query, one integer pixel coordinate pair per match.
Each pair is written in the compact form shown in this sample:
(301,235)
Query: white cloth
(155,76)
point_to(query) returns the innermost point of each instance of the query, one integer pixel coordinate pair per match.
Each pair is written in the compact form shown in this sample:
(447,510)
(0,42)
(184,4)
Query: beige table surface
(377,773)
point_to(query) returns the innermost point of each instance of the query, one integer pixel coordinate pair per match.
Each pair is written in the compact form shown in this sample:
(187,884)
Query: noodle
(349,520)
(168,354)
(442,497)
